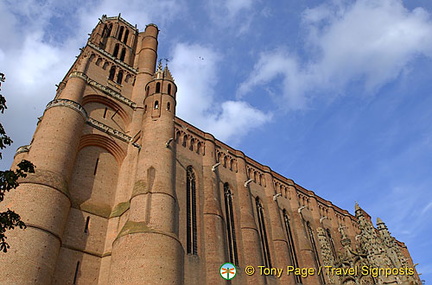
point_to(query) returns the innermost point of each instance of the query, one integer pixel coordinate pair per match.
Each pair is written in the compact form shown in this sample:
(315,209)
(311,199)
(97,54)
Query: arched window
(191,145)
(169,89)
(98,61)
(158,87)
(126,36)
(120,33)
(111,73)
(116,50)
(331,241)
(120,77)
(229,221)
(191,219)
(156,105)
(123,54)
(314,248)
(263,233)
(168,106)
(291,248)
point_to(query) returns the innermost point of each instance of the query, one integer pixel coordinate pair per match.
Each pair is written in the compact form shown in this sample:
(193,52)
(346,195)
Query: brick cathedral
(125,192)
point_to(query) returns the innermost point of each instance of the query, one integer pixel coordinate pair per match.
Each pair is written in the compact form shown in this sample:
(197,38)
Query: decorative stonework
(117,61)
(189,141)
(228,161)
(256,175)
(110,131)
(69,104)
(21,149)
(108,91)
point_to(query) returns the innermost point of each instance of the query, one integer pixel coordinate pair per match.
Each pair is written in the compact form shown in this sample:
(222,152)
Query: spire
(163,73)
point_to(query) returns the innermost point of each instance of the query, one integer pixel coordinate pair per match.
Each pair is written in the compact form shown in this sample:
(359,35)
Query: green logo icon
(227,271)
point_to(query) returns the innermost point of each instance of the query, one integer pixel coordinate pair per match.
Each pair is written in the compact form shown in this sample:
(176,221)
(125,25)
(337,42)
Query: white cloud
(368,42)
(195,69)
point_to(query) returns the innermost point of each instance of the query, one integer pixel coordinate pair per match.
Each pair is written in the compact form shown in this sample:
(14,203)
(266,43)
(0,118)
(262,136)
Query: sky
(335,95)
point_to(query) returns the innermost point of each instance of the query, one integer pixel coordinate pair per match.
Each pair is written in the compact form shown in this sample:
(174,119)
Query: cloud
(196,73)
(367,42)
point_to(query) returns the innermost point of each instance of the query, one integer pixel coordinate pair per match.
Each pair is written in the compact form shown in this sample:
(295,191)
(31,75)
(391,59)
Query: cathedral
(125,192)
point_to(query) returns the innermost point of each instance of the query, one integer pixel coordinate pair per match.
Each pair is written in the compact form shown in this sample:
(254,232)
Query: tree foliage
(9,180)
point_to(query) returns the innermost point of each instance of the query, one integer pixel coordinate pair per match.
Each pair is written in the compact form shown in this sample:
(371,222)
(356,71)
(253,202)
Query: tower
(125,192)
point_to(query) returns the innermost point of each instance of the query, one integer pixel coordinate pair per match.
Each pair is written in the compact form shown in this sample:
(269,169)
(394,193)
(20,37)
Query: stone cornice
(108,91)
(70,104)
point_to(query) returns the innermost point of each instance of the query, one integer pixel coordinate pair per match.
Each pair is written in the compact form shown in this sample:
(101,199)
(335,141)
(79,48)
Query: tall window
(291,248)
(263,233)
(116,50)
(126,36)
(191,223)
(314,249)
(229,217)
(120,33)
(111,73)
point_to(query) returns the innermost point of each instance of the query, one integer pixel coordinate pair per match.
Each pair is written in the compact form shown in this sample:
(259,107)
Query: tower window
(76,273)
(168,106)
(291,249)
(86,228)
(191,220)
(169,89)
(120,77)
(126,36)
(123,54)
(120,33)
(116,50)
(156,105)
(158,87)
(111,73)
(263,233)
(229,216)
(96,166)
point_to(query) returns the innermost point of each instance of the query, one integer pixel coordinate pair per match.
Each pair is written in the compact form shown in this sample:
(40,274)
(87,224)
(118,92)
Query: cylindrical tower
(153,216)
(42,199)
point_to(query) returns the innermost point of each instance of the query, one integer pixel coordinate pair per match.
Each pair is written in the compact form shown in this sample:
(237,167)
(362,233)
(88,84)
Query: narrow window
(111,73)
(96,166)
(126,36)
(120,33)
(145,109)
(229,216)
(291,249)
(314,248)
(169,89)
(86,228)
(191,224)
(191,146)
(116,50)
(198,148)
(120,77)
(263,233)
(158,86)
(330,238)
(105,112)
(184,141)
(76,273)
(123,54)
(147,90)
(156,105)
(98,61)
(168,106)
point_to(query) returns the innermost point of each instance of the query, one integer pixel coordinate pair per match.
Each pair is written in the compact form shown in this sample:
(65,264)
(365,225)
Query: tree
(9,180)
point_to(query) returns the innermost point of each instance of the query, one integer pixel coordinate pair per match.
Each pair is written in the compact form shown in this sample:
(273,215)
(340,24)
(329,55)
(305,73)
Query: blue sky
(333,94)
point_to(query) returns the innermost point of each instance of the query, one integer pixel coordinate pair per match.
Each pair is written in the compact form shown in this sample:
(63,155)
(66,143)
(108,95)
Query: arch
(120,77)
(123,54)
(184,140)
(104,142)
(128,77)
(158,87)
(191,217)
(126,36)
(116,50)
(109,103)
(191,145)
(169,89)
(198,150)
(112,73)
(120,34)
(105,66)
(168,106)
(98,61)
(156,105)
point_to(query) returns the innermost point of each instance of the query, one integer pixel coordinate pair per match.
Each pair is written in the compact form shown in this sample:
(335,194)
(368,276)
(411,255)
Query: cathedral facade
(125,192)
